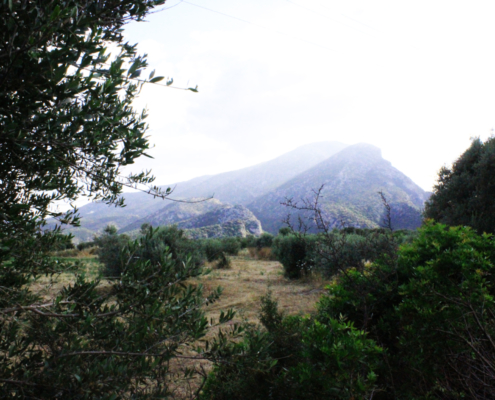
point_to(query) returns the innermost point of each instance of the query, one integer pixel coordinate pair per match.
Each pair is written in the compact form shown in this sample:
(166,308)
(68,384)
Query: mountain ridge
(351,177)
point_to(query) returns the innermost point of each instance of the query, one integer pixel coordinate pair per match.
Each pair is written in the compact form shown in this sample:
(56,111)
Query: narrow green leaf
(157,79)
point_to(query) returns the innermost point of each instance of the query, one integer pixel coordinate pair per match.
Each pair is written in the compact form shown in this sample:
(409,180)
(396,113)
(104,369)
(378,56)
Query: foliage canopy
(67,128)
(465,193)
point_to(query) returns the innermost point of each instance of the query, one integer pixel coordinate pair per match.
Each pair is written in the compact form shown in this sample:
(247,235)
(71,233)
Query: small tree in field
(67,128)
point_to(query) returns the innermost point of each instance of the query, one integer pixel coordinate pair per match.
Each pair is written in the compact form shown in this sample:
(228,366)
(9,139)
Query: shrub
(465,193)
(248,241)
(223,261)
(231,245)
(431,307)
(296,358)
(293,251)
(172,238)
(110,246)
(85,245)
(212,249)
(265,240)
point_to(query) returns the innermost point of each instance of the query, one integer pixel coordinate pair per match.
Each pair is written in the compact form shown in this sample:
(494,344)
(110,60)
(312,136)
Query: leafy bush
(231,245)
(212,249)
(172,238)
(223,261)
(265,240)
(295,358)
(85,245)
(465,193)
(294,252)
(431,307)
(248,241)
(110,246)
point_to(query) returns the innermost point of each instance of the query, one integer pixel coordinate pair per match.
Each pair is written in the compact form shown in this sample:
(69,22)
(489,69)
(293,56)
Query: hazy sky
(416,79)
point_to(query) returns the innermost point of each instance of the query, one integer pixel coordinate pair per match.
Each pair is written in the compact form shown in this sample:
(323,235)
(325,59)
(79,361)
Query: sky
(416,79)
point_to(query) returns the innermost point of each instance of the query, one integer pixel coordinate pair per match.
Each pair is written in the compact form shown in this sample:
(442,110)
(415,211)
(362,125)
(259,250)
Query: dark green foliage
(293,251)
(212,249)
(431,308)
(110,247)
(465,193)
(223,261)
(93,343)
(85,245)
(65,243)
(231,245)
(429,305)
(265,240)
(173,239)
(215,249)
(329,253)
(67,128)
(296,358)
(248,241)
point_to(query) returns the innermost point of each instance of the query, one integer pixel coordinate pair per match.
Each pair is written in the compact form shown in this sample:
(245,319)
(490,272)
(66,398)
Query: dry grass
(243,285)
(48,286)
(265,253)
(249,279)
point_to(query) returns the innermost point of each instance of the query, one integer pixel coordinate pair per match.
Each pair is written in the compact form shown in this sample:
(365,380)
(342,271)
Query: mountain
(203,219)
(352,179)
(245,185)
(235,187)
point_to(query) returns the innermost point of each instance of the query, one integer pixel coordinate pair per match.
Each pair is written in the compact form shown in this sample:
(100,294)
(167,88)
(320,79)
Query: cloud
(414,79)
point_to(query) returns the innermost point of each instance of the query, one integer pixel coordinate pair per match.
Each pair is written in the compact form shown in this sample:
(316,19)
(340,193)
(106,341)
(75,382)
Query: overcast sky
(415,78)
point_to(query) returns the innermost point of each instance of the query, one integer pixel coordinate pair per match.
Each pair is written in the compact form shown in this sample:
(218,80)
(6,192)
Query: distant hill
(351,175)
(352,179)
(245,185)
(235,187)
(205,219)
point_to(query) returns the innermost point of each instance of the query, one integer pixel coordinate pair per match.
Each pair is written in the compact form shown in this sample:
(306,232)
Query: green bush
(265,240)
(296,254)
(465,193)
(110,246)
(248,241)
(431,308)
(174,240)
(294,358)
(212,249)
(231,245)
(85,245)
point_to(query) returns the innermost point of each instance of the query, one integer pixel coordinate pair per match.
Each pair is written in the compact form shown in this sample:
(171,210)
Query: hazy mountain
(352,179)
(203,219)
(245,185)
(351,175)
(235,187)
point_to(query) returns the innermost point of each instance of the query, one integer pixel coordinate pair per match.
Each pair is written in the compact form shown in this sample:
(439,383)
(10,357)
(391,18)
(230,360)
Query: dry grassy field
(248,279)
(243,284)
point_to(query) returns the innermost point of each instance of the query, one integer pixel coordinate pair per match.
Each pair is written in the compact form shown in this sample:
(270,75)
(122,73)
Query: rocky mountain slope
(352,179)
(245,185)
(234,187)
(203,219)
